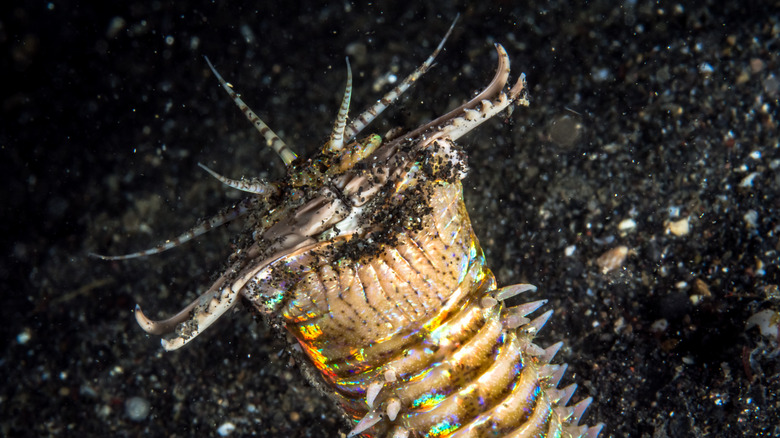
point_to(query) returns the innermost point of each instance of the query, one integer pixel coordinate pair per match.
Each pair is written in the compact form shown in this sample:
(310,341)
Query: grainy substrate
(643,115)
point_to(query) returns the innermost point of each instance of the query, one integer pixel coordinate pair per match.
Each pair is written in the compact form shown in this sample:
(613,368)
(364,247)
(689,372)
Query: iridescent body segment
(365,253)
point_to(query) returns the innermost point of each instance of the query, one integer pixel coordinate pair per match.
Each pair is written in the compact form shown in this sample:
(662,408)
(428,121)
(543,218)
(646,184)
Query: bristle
(487,302)
(532,349)
(555,377)
(512,320)
(563,413)
(365,423)
(401,432)
(534,326)
(593,431)
(575,431)
(566,394)
(526,308)
(372,391)
(393,407)
(510,291)
(551,351)
(579,409)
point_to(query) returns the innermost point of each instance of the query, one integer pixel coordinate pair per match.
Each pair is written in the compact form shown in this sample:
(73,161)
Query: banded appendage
(417,341)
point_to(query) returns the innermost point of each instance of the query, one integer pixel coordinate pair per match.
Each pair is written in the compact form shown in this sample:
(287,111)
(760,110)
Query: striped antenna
(336,141)
(370,114)
(257,188)
(221,218)
(271,139)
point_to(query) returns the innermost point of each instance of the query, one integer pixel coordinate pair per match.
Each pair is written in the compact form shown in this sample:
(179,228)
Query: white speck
(706,69)
(748,180)
(674,212)
(248,34)
(756,155)
(751,218)
(681,284)
(570,250)
(659,326)
(600,74)
(226,429)
(137,408)
(23,337)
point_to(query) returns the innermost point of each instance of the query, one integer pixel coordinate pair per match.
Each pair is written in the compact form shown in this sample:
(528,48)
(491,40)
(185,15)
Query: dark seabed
(645,118)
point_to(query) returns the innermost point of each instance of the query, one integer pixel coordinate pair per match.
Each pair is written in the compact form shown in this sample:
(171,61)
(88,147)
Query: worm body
(366,255)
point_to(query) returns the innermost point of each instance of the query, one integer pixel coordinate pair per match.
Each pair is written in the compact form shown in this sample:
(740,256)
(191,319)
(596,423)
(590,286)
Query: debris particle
(137,408)
(24,336)
(659,326)
(748,180)
(768,321)
(226,429)
(612,259)
(701,288)
(751,218)
(627,225)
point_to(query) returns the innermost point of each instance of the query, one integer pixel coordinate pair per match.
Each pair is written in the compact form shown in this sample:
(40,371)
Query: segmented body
(365,253)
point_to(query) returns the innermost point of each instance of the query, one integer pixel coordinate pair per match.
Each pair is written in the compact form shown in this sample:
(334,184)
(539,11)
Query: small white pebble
(612,259)
(569,251)
(767,321)
(627,224)
(226,429)
(679,228)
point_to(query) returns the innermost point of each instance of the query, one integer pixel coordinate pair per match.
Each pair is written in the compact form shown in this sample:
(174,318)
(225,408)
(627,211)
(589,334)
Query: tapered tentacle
(257,188)
(336,141)
(370,114)
(271,139)
(494,87)
(221,218)
(484,106)
(198,315)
